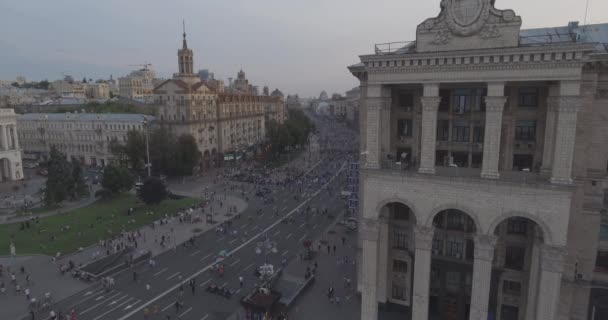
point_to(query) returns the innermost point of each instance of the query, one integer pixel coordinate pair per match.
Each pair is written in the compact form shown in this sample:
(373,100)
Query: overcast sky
(299,46)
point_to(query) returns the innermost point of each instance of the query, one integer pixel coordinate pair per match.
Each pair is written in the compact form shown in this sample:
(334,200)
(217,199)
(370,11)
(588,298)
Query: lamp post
(148,164)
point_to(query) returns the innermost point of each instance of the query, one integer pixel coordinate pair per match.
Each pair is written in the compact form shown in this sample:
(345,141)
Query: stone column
(422,272)
(565,136)
(373,127)
(369,270)
(430,104)
(16,137)
(548,145)
(482,276)
(495,105)
(532,290)
(552,266)
(383,255)
(3,136)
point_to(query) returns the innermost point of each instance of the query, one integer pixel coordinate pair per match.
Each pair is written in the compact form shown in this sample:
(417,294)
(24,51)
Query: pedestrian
(134,276)
(147,287)
(177,306)
(181,290)
(328,249)
(32,315)
(241,281)
(343,240)
(334,249)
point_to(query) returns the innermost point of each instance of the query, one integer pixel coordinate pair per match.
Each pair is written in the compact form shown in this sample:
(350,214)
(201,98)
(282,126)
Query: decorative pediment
(468,24)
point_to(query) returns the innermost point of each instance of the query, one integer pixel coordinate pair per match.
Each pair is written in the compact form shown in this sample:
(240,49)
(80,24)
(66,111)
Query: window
(525,130)
(401,212)
(404,128)
(464,99)
(438,247)
(528,97)
(400,239)
(514,258)
(406,101)
(509,312)
(517,226)
(478,134)
(443,130)
(454,249)
(444,105)
(601,263)
(511,287)
(399,266)
(398,292)
(460,133)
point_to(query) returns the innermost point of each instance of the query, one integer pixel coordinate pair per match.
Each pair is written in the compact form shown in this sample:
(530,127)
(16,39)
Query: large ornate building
(85,137)
(221,123)
(11,167)
(484,170)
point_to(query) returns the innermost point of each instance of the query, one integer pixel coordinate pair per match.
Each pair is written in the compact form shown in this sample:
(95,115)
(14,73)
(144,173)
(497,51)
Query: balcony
(457,174)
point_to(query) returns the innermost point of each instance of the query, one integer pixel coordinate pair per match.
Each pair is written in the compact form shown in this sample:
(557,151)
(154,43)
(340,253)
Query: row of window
(466,100)
(525,130)
(82,126)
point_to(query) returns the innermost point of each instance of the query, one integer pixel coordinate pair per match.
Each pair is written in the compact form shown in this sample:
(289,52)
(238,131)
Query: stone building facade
(484,164)
(11,167)
(220,122)
(85,136)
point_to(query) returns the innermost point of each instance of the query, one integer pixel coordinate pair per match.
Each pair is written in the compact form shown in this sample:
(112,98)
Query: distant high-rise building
(266,91)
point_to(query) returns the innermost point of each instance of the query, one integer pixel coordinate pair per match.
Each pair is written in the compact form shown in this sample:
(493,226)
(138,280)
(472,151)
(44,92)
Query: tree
(119,152)
(135,149)
(187,155)
(116,180)
(153,191)
(78,188)
(59,181)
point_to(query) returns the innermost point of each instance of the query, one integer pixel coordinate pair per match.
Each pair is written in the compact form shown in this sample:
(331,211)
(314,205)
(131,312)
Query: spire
(185,45)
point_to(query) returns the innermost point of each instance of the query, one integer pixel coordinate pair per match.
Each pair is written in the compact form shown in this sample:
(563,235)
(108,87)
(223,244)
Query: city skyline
(301,54)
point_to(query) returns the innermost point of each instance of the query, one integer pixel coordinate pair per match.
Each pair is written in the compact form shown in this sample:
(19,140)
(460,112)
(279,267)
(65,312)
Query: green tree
(162,146)
(77,187)
(119,152)
(153,191)
(116,180)
(187,155)
(59,180)
(135,149)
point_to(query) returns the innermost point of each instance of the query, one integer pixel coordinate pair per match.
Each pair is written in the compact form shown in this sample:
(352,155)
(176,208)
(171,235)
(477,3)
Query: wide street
(284,224)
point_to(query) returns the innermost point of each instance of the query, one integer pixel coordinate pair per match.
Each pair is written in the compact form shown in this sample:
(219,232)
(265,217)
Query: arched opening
(396,256)
(516,269)
(5,170)
(452,265)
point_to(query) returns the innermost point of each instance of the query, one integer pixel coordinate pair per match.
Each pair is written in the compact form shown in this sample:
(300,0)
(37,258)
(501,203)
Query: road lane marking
(225,283)
(131,305)
(118,306)
(116,301)
(220,239)
(284,253)
(204,283)
(195,253)
(315,226)
(237,291)
(103,302)
(91,297)
(235,262)
(284,208)
(181,315)
(288,236)
(177,273)
(205,317)
(244,226)
(303,237)
(168,306)
(233,240)
(276,233)
(244,244)
(302,225)
(205,257)
(247,268)
(161,271)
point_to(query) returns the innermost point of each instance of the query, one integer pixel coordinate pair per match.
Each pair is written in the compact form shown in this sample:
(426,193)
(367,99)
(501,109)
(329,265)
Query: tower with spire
(185,57)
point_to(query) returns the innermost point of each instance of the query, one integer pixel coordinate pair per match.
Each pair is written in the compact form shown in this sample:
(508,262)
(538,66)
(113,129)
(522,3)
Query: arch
(206,153)
(547,236)
(388,201)
(470,212)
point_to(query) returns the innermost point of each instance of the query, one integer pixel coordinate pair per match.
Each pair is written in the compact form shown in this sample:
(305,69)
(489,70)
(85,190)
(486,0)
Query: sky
(297,46)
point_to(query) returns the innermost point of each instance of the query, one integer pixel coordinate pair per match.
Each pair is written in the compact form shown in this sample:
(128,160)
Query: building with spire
(221,123)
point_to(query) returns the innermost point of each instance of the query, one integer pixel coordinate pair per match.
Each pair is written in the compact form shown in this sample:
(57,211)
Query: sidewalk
(45,273)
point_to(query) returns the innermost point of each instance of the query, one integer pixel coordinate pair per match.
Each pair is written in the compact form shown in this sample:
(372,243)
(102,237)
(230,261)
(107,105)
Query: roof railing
(391,47)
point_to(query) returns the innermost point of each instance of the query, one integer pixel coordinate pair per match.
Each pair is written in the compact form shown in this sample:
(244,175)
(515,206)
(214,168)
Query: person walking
(134,276)
(241,281)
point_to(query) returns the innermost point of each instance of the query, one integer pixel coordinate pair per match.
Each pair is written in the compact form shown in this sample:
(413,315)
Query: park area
(67,232)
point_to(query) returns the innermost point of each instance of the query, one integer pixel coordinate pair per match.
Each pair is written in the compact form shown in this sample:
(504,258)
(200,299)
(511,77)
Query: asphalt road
(128,298)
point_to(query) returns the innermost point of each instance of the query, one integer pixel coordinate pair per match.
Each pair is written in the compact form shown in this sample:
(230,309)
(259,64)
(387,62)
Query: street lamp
(148,164)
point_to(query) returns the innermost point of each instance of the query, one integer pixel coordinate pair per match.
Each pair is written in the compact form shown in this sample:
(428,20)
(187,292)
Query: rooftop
(114,117)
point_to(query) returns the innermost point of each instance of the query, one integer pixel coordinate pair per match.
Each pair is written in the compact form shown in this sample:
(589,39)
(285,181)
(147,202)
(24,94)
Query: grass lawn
(87,225)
